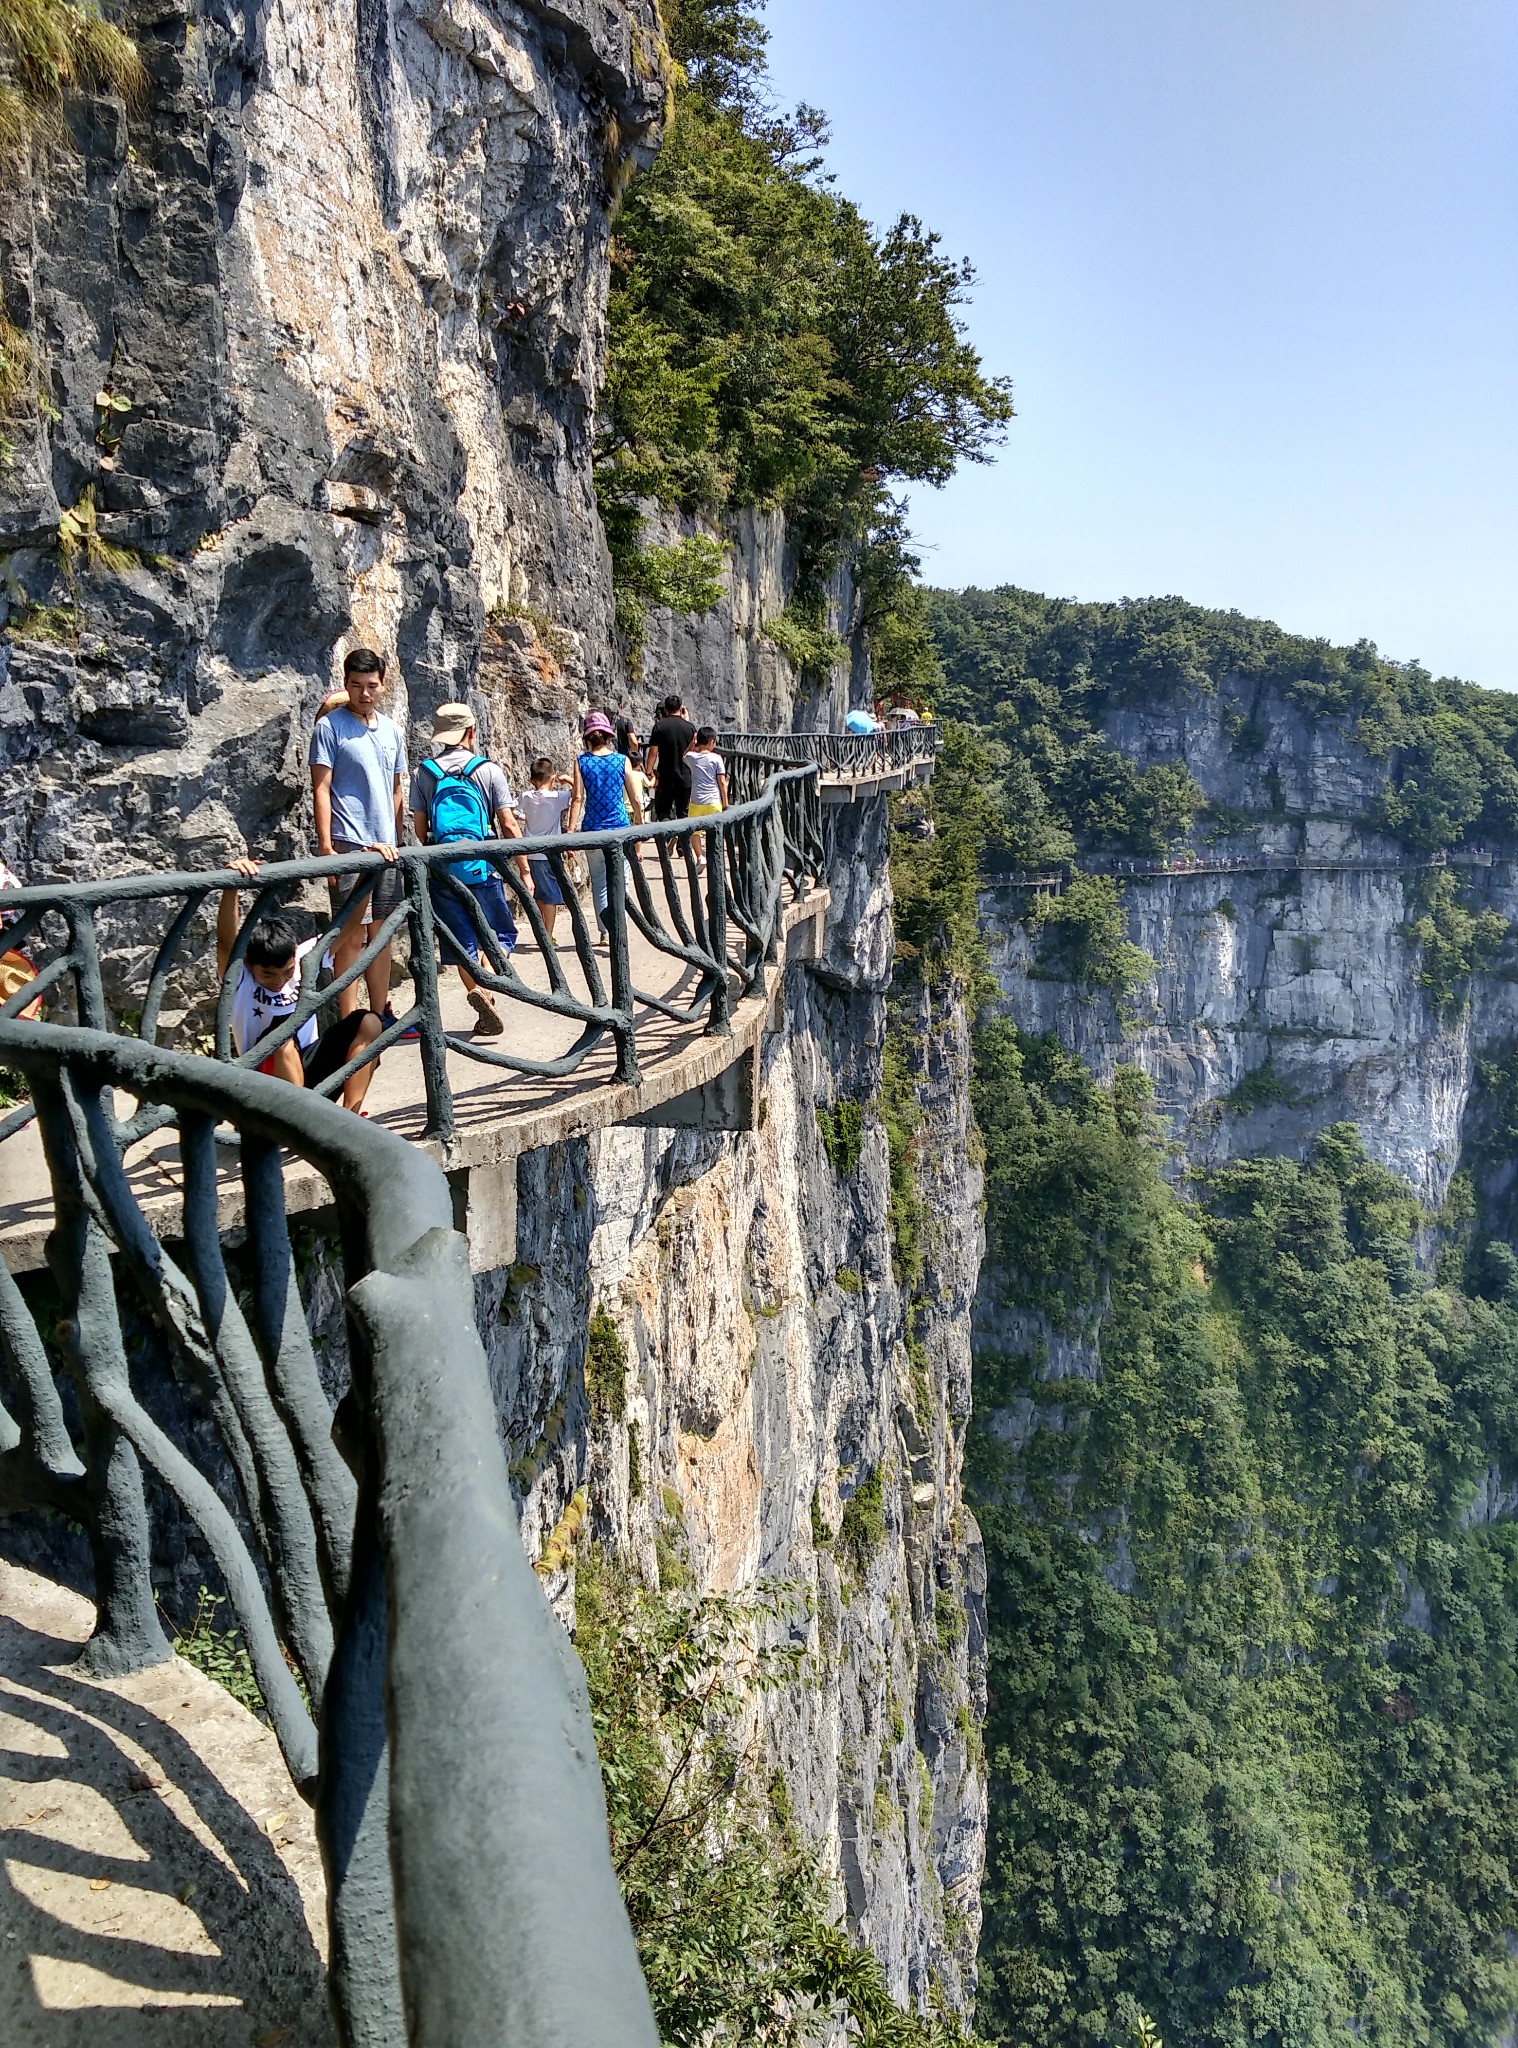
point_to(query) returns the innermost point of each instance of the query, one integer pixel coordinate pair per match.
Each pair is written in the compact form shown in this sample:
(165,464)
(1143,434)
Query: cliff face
(768,1385)
(1308,981)
(347,265)
(730,671)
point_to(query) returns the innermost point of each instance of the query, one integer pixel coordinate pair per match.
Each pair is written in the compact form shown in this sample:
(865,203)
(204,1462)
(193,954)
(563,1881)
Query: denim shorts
(456,923)
(545,884)
(389,886)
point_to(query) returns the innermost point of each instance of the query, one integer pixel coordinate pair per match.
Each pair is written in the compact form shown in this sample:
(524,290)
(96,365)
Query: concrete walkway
(498,1114)
(161,1884)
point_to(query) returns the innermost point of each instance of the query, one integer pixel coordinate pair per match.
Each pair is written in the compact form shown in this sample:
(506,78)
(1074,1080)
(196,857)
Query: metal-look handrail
(459,1808)
(849,755)
(1185,863)
(722,920)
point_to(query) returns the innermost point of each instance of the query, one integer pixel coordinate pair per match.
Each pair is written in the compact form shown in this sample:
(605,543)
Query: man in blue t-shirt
(356,762)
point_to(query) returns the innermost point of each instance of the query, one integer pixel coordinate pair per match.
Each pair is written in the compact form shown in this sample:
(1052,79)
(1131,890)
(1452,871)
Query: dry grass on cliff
(15,367)
(49,48)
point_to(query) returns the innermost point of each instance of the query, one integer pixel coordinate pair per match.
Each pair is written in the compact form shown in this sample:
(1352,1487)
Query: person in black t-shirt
(665,759)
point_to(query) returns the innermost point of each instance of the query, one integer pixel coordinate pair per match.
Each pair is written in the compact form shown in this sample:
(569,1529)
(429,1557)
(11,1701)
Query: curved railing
(458,1804)
(708,893)
(848,756)
(1186,862)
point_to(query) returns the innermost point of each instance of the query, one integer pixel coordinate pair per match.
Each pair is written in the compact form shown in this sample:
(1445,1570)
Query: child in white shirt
(541,808)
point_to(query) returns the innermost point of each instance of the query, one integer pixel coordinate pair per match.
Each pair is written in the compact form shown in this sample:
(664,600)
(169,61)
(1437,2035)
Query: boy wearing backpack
(458,794)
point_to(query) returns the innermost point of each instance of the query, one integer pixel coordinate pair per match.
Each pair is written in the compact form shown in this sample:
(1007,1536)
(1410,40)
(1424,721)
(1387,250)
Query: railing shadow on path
(216,1935)
(446,1745)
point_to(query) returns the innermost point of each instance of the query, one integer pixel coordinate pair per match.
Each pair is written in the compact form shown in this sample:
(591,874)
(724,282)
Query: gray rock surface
(730,672)
(349,270)
(769,1378)
(1316,972)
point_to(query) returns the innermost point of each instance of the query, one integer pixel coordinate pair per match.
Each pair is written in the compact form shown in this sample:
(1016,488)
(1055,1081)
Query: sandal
(491,1023)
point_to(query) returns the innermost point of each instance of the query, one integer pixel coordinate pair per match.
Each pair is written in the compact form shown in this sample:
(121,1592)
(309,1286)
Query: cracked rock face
(1315,972)
(346,269)
(770,1379)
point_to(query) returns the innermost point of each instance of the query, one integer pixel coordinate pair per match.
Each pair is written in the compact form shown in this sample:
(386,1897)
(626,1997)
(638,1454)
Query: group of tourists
(457,794)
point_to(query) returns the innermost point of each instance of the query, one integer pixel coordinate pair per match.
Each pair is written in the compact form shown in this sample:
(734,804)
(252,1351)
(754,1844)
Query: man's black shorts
(673,802)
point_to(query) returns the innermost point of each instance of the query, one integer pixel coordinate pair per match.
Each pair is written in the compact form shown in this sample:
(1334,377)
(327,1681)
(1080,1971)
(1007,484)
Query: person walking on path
(708,775)
(457,793)
(268,988)
(708,783)
(665,759)
(542,808)
(356,758)
(605,797)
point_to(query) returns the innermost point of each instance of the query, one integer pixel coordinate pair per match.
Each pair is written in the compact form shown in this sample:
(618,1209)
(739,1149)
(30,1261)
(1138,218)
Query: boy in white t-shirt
(542,809)
(708,782)
(268,988)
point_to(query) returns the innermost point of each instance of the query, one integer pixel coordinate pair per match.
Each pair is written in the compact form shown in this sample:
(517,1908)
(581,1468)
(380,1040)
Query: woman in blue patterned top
(605,797)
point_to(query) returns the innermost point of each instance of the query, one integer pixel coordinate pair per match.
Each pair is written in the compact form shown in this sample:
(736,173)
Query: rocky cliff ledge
(780,1418)
(1284,998)
(346,270)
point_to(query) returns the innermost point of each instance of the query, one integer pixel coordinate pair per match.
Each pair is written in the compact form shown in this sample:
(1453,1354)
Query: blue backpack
(458,810)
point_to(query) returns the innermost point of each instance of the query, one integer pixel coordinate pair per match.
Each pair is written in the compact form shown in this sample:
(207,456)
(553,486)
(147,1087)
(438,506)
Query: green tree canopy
(769,346)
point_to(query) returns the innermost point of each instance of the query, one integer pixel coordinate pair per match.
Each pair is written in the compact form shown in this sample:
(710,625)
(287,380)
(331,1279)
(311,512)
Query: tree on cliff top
(1042,675)
(768,345)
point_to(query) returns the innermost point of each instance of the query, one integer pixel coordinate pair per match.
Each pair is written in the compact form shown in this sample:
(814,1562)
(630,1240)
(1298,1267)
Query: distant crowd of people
(360,794)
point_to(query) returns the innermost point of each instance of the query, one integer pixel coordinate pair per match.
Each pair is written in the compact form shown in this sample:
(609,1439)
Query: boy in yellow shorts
(708,775)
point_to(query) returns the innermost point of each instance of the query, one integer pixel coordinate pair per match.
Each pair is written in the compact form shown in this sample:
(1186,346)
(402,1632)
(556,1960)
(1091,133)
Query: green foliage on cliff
(768,346)
(49,48)
(1086,936)
(842,1129)
(605,1368)
(1041,675)
(803,635)
(731,1914)
(684,575)
(941,838)
(1455,942)
(1254,1682)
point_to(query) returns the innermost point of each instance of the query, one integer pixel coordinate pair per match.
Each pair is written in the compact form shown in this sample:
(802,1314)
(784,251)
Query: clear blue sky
(1253,267)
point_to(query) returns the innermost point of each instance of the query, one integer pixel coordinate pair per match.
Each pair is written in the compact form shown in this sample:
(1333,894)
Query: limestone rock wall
(769,1380)
(347,264)
(731,674)
(1314,971)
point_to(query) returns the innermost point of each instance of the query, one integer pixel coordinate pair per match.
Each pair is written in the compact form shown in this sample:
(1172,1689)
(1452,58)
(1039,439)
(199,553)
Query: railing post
(621,963)
(89,989)
(718,1024)
(424,979)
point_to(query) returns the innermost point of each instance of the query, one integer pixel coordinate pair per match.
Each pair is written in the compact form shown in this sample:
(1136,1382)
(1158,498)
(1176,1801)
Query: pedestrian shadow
(122,1925)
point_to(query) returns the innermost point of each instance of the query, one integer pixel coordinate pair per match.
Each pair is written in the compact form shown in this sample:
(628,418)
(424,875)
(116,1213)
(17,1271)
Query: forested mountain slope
(1245,1410)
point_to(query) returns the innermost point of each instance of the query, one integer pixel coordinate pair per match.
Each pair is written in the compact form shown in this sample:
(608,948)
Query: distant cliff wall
(1307,981)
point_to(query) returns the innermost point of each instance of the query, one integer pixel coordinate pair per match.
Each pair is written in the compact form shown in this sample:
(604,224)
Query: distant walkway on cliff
(657,1021)
(1177,866)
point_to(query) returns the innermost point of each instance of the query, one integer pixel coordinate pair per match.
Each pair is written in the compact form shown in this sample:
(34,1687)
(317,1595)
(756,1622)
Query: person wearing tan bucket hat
(460,794)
